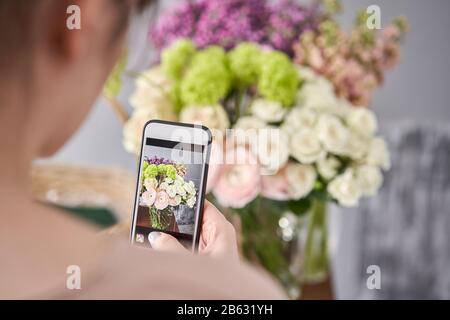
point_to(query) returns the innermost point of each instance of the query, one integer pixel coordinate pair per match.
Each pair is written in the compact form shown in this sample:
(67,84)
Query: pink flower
(215,165)
(162,200)
(276,187)
(149,197)
(240,181)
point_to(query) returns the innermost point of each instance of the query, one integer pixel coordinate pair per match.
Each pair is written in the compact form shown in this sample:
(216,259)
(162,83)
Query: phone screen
(169,195)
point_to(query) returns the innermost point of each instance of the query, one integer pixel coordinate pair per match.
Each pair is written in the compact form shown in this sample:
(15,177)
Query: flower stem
(315,264)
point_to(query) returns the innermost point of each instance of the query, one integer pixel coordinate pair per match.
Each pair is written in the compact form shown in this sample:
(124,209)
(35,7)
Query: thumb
(164,242)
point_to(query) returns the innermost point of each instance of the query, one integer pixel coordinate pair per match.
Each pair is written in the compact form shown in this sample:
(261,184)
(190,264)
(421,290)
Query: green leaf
(114,83)
(300,207)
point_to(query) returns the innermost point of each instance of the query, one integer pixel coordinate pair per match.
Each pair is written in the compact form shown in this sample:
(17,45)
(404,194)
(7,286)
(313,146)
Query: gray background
(416,90)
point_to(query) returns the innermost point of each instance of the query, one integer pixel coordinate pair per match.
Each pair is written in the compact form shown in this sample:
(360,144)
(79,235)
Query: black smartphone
(171,183)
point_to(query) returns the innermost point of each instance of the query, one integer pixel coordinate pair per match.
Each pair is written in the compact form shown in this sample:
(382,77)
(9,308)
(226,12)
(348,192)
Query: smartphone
(171,183)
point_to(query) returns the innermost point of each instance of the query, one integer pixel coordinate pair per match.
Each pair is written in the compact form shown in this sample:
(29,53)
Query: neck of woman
(17,150)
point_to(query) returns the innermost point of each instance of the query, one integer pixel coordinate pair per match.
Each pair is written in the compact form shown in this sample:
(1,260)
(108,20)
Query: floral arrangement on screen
(295,92)
(163,187)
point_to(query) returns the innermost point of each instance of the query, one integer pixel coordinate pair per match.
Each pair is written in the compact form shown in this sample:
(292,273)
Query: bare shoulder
(38,249)
(38,244)
(144,274)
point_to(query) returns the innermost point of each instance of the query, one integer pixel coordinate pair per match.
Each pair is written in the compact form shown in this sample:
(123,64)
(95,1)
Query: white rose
(328,167)
(370,179)
(301,179)
(271,149)
(333,134)
(318,95)
(189,187)
(357,146)
(213,117)
(176,201)
(171,191)
(345,189)
(378,154)
(180,190)
(134,127)
(305,146)
(268,111)
(164,186)
(191,202)
(362,121)
(299,118)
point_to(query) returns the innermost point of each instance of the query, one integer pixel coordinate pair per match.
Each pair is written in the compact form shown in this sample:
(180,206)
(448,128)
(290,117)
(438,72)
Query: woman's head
(56,73)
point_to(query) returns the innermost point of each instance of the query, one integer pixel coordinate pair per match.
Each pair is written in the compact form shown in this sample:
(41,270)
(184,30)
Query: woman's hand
(217,239)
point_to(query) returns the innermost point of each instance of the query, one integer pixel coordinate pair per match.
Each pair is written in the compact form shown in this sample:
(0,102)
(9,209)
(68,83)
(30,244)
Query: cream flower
(268,111)
(152,89)
(154,77)
(378,154)
(171,191)
(162,200)
(150,183)
(213,117)
(301,179)
(134,127)
(271,149)
(345,189)
(362,121)
(328,167)
(369,179)
(175,201)
(305,146)
(333,134)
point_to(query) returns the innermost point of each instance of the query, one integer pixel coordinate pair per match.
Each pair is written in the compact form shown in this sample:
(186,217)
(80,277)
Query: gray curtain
(405,230)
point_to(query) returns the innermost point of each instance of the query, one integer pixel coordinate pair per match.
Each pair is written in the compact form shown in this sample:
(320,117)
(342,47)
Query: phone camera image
(168,190)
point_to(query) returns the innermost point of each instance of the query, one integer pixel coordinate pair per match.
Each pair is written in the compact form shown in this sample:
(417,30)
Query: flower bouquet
(285,92)
(163,189)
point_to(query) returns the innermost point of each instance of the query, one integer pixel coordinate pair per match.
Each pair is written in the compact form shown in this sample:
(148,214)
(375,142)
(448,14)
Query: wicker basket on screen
(73,186)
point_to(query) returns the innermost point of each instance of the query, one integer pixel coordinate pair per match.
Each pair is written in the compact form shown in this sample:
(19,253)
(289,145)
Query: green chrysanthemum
(151,171)
(245,62)
(175,58)
(278,80)
(207,80)
(171,172)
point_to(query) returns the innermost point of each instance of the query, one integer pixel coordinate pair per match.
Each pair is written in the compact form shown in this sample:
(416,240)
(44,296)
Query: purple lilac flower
(180,22)
(157,161)
(230,22)
(287,21)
